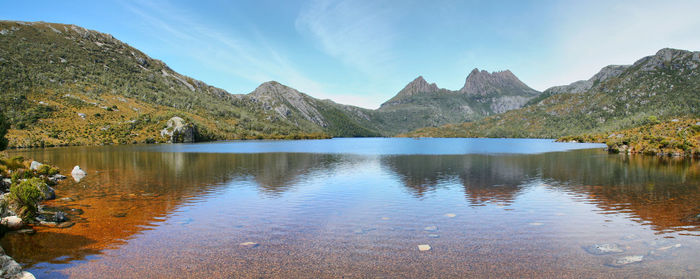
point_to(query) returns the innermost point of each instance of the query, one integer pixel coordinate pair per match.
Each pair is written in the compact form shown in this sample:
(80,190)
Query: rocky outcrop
(179,131)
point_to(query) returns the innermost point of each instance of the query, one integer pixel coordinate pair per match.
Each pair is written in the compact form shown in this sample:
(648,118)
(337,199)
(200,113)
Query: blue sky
(363,52)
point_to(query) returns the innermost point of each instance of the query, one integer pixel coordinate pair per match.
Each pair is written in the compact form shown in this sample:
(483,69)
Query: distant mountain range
(66,85)
(663,86)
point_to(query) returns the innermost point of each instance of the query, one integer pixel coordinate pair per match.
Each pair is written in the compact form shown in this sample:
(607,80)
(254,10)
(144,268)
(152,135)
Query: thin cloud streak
(256,61)
(359,33)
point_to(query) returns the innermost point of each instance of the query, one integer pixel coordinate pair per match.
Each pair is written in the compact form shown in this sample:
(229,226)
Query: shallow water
(361,207)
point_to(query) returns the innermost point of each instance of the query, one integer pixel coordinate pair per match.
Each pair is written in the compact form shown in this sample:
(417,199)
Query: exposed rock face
(483,83)
(506,103)
(179,131)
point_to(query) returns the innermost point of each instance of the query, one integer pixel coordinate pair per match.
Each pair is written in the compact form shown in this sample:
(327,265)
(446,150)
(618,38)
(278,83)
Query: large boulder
(12,222)
(78,173)
(178,130)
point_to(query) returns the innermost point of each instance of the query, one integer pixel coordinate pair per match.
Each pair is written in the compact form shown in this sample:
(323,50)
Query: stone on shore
(12,222)
(78,173)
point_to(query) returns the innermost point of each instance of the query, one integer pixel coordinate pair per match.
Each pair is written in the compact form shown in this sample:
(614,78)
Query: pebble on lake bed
(535,224)
(424,247)
(249,244)
(386,218)
(450,215)
(433,236)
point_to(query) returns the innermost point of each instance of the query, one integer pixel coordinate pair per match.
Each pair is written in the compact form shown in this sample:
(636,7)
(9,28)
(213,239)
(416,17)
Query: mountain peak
(418,85)
(485,83)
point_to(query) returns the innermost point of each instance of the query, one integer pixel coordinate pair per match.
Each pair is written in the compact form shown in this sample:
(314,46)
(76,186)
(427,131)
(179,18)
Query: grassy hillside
(65,85)
(665,85)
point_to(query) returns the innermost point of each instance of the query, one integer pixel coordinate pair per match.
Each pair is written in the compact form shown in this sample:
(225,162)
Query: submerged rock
(56,178)
(249,244)
(431,228)
(433,235)
(450,215)
(603,249)
(424,247)
(23,231)
(78,173)
(623,261)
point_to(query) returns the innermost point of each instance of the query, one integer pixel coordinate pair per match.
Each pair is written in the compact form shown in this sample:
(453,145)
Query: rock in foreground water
(78,173)
(424,247)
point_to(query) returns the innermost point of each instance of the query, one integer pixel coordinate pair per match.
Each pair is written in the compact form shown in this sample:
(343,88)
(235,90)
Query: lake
(361,208)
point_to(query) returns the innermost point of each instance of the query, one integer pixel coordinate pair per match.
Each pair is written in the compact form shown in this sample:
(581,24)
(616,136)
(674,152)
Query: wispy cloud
(359,33)
(247,56)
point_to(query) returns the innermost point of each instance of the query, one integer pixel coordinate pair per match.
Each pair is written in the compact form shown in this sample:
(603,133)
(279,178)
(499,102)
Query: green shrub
(13,163)
(24,197)
(47,170)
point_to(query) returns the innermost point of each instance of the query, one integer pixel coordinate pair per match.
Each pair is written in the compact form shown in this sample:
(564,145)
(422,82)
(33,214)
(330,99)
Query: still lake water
(360,208)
